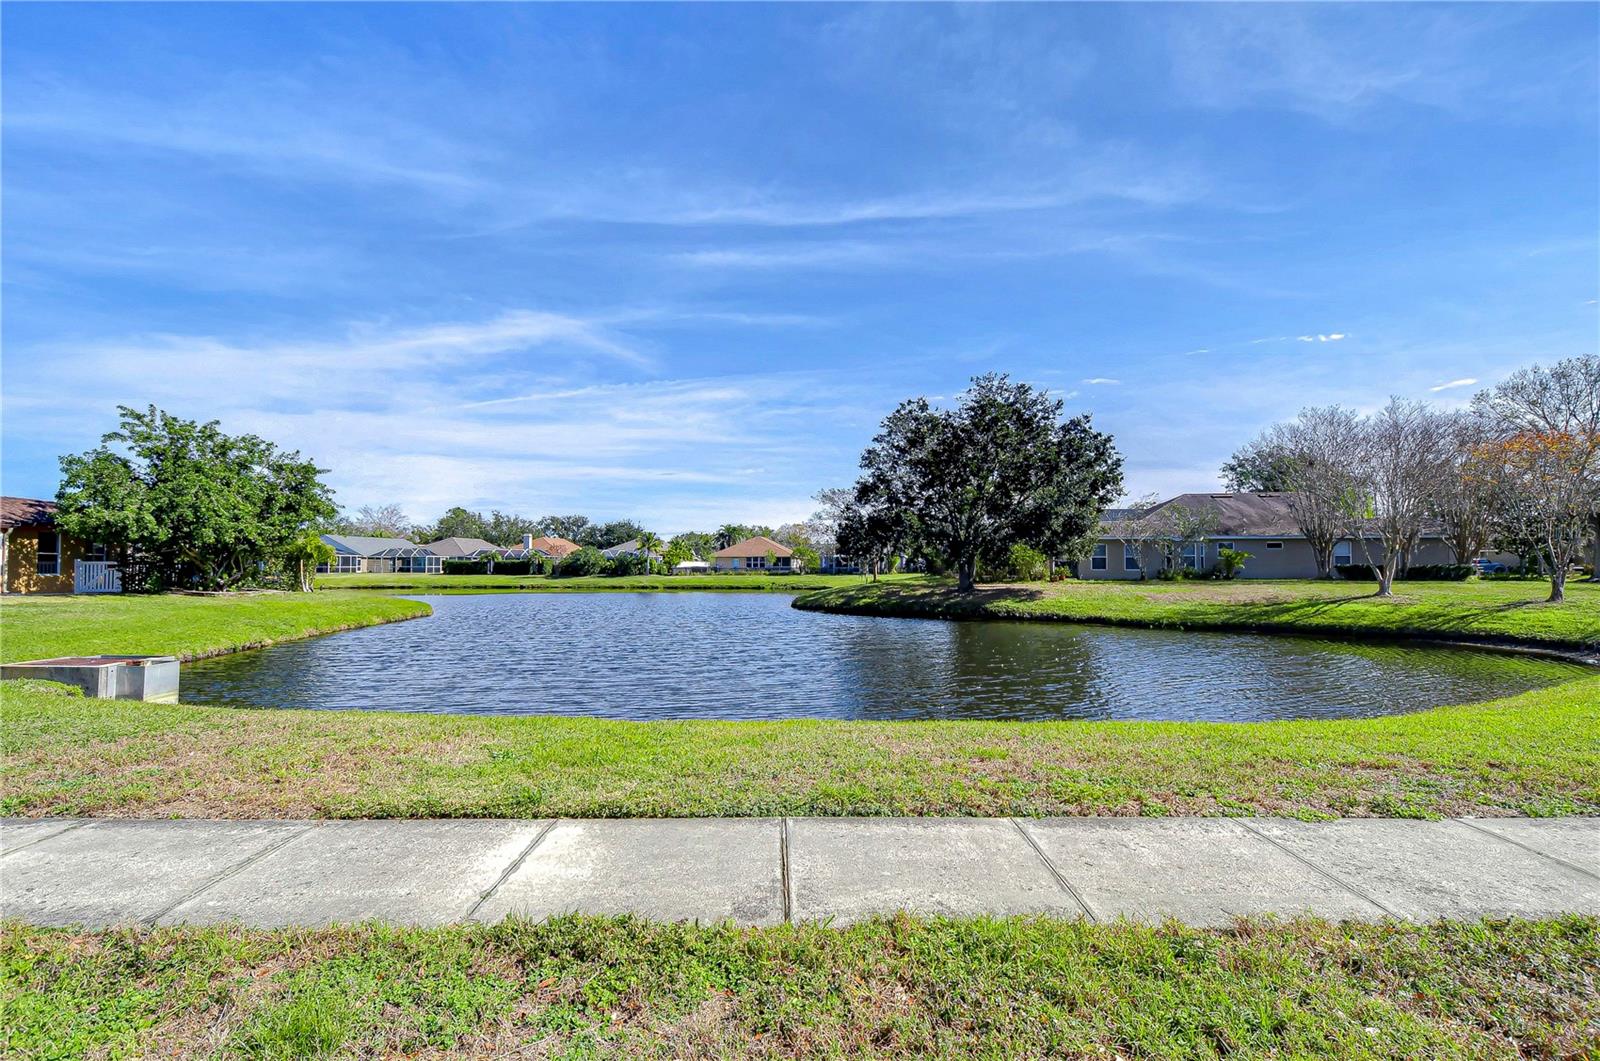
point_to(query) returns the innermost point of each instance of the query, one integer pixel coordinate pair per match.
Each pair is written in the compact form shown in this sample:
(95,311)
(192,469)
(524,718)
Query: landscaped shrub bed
(1415,573)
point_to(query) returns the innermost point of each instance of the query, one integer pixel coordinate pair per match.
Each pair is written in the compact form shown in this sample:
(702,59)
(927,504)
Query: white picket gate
(96,576)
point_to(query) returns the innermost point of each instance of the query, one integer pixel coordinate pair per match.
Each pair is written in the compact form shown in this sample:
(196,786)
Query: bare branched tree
(382,521)
(1547,448)
(1179,527)
(1142,530)
(1315,458)
(1466,500)
(1402,461)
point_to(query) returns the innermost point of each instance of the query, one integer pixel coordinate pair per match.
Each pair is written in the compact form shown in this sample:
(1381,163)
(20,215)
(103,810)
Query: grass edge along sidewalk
(1491,613)
(182,625)
(578,986)
(1537,753)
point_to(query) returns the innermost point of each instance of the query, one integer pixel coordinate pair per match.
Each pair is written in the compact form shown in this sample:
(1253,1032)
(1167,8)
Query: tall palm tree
(651,543)
(727,534)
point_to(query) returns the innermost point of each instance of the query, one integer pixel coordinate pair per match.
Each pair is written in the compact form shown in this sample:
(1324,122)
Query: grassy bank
(1537,753)
(1473,610)
(183,626)
(744,582)
(997,988)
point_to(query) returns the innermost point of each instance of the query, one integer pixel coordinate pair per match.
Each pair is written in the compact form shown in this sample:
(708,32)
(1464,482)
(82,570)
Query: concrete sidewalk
(764,871)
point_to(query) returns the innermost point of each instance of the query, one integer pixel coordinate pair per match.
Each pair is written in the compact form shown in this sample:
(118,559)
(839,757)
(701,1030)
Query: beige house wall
(1292,559)
(22,562)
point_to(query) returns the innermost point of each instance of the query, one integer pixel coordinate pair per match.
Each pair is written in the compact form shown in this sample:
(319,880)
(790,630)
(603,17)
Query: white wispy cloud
(1096,381)
(1467,382)
(1331,337)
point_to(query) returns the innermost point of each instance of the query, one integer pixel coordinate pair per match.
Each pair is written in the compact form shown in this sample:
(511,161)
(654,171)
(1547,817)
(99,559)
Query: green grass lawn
(1474,610)
(585,987)
(1537,753)
(37,627)
(746,582)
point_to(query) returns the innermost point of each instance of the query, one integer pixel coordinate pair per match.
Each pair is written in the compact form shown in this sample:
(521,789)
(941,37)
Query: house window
(1224,545)
(49,558)
(1130,557)
(1341,555)
(1194,555)
(1097,561)
(1274,545)
(97,553)
(755,562)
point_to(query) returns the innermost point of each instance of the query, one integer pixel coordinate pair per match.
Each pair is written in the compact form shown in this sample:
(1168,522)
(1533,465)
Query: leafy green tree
(585,561)
(700,546)
(196,505)
(677,551)
(1002,467)
(572,528)
(1230,562)
(305,553)
(730,534)
(805,558)
(1261,466)
(605,535)
(459,523)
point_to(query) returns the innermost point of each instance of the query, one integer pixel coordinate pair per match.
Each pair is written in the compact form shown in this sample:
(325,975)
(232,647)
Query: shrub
(1230,562)
(586,561)
(1022,564)
(634,564)
(465,567)
(515,567)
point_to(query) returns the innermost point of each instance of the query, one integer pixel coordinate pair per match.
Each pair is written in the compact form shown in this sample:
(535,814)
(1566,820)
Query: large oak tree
(1003,467)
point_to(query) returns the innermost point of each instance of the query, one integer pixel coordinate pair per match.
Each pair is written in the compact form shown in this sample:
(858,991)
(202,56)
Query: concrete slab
(1575,841)
(668,869)
(848,869)
(414,872)
(19,832)
(1428,870)
(112,872)
(1205,871)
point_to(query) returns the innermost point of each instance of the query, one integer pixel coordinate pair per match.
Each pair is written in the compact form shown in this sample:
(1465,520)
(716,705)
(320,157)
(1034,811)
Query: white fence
(96,576)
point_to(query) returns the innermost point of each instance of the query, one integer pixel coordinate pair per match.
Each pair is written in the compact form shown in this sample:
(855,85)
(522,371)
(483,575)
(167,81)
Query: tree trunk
(1558,584)
(966,575)
(1386,578)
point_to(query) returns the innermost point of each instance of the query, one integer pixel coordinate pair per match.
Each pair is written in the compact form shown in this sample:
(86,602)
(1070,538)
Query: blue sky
(675,262)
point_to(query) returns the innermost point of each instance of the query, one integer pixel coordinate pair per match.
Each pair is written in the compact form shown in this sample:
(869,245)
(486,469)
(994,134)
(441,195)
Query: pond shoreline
(904,602)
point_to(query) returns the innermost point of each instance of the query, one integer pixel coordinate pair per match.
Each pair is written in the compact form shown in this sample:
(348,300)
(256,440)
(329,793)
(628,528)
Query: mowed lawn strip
(742,582)
(1471,610)
(581,987)
(1537,753)
(189,627)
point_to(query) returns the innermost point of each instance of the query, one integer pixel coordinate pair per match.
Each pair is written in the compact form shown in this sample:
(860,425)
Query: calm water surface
(748,656)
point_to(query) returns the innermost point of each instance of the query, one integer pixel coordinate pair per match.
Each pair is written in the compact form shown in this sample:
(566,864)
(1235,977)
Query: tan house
(35,557)
(1261,524)
(555,548)
(755,554)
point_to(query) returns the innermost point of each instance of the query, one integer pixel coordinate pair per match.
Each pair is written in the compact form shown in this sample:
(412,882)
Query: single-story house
(627,548)
(35,557)
(357,553)
(831,563)
(463,548)
(544,545)
(1261,524)
(753,554)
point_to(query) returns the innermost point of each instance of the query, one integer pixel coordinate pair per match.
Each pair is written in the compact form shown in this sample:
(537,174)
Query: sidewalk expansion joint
(237,867)
(75,825)
(783,869)
(1531,850)
(1313,867)
(1061,879)
(516,864)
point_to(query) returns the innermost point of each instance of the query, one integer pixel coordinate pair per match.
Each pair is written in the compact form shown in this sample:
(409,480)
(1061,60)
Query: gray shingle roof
(362,545)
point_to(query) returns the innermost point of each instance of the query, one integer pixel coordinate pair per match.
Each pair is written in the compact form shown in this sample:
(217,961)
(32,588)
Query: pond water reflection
(752,656)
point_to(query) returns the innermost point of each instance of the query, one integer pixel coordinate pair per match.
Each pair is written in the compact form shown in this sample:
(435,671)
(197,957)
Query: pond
(751,656)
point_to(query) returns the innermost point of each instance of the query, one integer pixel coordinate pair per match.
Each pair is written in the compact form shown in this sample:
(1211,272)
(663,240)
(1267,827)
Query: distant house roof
(455,548)
(760,545)
(1254,515)
(26,512)
(627,548)
(362,545)
(556,547)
